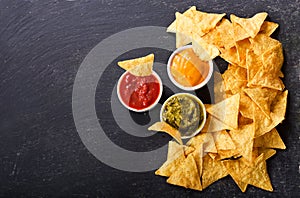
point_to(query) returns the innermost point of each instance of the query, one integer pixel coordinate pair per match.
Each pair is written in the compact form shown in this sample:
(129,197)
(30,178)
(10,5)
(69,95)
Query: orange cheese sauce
(187,69)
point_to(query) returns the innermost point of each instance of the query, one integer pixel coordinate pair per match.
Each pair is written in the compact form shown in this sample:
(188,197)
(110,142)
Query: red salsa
(139,92)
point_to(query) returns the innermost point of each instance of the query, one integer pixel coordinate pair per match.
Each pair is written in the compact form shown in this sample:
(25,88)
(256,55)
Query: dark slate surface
(42,44)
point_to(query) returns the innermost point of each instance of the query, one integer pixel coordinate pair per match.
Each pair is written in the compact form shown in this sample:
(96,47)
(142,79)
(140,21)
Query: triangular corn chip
(259,176)
(184,30)
(268,28)
(252,25)
(271,139)
(227,110)
(243,139)
(213,170)
(174,148)
(186,175)
(173,25)
(263,97)
(165,127)
(204,50)
(273,59)
(139,66)
(223,140)
(171,165)
(212,124)
(206,21)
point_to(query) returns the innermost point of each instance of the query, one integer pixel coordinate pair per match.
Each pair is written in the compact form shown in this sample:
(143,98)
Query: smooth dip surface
(187,69)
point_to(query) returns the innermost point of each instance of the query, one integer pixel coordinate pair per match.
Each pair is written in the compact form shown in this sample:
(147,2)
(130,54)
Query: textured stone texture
(42,44)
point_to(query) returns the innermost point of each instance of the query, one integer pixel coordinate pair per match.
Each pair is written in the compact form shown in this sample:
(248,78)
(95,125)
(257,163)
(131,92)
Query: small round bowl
(202,107)
(147,108)
(203,83)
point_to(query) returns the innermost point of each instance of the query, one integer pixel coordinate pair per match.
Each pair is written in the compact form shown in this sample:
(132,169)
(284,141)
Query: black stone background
(42,44)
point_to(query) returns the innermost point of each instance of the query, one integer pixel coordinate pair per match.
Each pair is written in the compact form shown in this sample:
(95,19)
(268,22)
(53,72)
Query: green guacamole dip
(183,113)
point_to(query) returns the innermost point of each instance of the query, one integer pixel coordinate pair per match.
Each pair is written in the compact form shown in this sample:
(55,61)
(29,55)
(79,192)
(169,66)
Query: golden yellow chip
(262,43)
(174,148)
(239,32)
(232,84)
(204,50)
(219,88)
(186,175)
(226,32)
(226,154)
(223,140)
(251,25)
(244,120)
(262,123)
(173,25)
(226,111)
(262,97)
(246,106)
(235,169)
(243,140)
(171,165)
(253,64)
(204,140)
(213,170)
(139,66)
(212,124)
(230,55)
(165,127)
(259,176)
(198,156)
(242,46)
(268,28)
(266,151)
(238,73)
(184,30)
(206,21)
(273,59)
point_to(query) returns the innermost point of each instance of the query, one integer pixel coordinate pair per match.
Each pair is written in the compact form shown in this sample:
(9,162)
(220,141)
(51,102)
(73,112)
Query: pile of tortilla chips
(240,134)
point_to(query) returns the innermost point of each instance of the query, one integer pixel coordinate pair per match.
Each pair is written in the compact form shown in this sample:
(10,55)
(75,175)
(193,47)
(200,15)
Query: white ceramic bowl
(147,108)
(201,106)
(178,84)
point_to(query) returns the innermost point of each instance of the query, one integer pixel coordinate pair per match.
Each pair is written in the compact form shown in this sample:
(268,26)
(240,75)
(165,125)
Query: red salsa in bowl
(139,93)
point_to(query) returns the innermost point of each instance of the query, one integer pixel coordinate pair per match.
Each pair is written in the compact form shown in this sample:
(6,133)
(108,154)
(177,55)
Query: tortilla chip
(205,140)
(268,153)
(186,175)
(235,169)
(239,32)
(230,55)
(226,154)
(171,165)
(139,66)
(227,110)
(243,139)
(184,30)
(268,28)
(263,78)
(187,13)
(212,124)
(213,170)
(222,36)
(223,140)
(174,149)
(204,50)
(219,88)
(262,123)
(259,176)
(165,127)
(273,59)
(252,25)
(246,106)
(263,97)
(262,43)
(232,84)
(271,139)
(198,156)
(253,64)
(206,21)
(242,46)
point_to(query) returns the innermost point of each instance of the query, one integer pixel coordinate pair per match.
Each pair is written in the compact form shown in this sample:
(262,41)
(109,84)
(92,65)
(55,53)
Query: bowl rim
(147,108)
(200,103)
(202,84)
